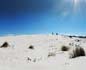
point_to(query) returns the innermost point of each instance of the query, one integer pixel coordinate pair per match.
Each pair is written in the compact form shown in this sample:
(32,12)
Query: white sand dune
(46,53)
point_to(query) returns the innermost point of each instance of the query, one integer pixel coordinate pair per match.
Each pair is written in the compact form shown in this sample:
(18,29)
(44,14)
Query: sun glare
(75,2)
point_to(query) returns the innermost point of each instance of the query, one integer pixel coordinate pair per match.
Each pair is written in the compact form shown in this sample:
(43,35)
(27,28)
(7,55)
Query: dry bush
(51,54)
(71,44)
(77,40)
(4,45)
(56,33)
(81,36)
(78,52)
(29,59)
(31,47)
(70,36)
(64,48)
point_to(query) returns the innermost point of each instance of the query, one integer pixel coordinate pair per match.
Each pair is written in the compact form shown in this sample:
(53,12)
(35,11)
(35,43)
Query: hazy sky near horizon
(42,16)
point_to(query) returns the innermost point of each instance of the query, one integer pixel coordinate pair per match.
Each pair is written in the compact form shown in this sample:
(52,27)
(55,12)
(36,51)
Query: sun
(75,2)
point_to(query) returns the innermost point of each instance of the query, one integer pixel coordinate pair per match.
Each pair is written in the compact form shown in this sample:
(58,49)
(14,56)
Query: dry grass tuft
(31,47)
(79,51)
(64,48)
(4,45)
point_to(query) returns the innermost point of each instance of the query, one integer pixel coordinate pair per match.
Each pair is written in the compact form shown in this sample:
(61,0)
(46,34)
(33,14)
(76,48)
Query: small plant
(78,52)
(77,40)
(34,60)
(56,33)
(64,48)
(28,59)
(70,36)
(71,44)
(4,45)
(77,45)
(51,54)
(31,47)
(81,36)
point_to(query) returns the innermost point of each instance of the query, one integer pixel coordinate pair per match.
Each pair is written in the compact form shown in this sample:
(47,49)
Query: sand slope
(18,55)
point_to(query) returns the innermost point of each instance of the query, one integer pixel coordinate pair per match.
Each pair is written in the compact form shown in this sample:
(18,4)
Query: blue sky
(42,16)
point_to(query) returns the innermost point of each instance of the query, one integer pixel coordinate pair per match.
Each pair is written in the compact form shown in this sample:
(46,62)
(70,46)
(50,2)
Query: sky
(42,17)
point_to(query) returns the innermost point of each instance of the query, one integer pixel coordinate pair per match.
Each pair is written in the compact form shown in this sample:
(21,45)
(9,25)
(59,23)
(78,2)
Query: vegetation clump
(4,45)
(64,48)
(51,54)
(77,40)
(31,47)
(79,51)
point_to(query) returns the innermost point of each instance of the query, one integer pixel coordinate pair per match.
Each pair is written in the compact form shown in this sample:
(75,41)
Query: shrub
(78,52)
(29,59)
(5,45)
(31,47)
(77,40)
(51,54)
(34,60)
(70,36)
(77,45)
(81,36)
(71,44)
(64,48)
